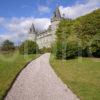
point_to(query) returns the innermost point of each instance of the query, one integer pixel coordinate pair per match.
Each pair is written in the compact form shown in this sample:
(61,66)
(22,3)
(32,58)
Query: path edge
(78,98)
(11,85)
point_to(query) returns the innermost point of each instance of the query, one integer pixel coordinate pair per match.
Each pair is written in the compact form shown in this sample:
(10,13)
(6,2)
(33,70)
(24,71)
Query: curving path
(38,81)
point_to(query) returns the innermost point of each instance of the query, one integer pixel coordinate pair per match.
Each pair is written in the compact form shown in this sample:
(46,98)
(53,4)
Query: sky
(16,16)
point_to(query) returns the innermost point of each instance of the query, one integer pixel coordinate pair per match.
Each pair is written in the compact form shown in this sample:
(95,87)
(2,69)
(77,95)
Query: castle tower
(48,37)
(54,23)
(56,15)
(55,19)
(33,32)
(32,29)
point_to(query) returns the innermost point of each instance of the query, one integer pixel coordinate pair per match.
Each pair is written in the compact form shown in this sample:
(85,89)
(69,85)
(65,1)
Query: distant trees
(28,47)
(7,46)
(80,37)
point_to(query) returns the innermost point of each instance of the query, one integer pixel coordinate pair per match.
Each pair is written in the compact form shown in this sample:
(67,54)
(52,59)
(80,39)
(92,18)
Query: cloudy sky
(16,16)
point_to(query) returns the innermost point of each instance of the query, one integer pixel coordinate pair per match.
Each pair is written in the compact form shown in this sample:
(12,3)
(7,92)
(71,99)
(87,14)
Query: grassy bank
(82,76)
(10,65)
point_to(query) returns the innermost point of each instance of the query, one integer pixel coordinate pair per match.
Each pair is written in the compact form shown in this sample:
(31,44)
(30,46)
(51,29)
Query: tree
(63,33)
(28,47)
(95,46)
(87,28)
(79,37)
(7,46)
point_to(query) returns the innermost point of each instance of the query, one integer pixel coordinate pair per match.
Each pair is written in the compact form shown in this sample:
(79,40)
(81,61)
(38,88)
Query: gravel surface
(38,81)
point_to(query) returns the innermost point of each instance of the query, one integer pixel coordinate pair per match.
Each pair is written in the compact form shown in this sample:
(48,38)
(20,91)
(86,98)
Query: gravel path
(38,81)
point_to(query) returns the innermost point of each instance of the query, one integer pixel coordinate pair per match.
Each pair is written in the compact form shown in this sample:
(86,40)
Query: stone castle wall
(46,39)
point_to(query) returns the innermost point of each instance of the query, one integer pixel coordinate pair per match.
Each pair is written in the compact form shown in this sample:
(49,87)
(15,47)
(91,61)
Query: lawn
(82,75)
(10,65)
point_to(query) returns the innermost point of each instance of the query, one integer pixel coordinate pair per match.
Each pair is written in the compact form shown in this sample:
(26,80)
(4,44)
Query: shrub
(95,47)
(63,50)
(44,50)
(7,46)
(71,49)
(58,51)
(28,47)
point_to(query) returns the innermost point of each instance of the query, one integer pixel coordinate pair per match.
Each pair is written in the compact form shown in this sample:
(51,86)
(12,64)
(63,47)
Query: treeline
(79,37)
(26,47)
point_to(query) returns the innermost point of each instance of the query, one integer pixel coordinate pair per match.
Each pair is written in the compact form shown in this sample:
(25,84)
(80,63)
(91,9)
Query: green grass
(10,65)
(82,75)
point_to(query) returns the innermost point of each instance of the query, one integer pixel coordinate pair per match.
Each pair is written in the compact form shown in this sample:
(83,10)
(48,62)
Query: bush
(71,50)
(7,46)
(95,47)
(66,50)
(28,47)
(58,51)
(44,50)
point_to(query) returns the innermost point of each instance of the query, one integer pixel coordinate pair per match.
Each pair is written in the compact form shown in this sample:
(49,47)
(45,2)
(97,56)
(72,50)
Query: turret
(32,29)
(56,15)
(33,32)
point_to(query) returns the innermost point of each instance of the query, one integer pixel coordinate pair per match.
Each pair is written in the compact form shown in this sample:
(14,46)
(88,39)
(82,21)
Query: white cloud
(43,9)
(17,28)
(42,23)
(79,9)
(1,21)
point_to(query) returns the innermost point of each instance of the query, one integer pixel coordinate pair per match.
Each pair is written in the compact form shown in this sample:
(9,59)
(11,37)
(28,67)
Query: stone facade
(47,38)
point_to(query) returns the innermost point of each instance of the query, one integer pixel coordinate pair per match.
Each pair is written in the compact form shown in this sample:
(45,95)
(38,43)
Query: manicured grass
(10,65)
(82,75)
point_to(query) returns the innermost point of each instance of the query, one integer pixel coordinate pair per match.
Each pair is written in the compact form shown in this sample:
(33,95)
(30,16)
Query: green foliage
(59,50)
(44,50)
(64,29)
(79,37)
(66,50)
(28,47)
(71,50)
(95,46)
(63,50)
(7,46)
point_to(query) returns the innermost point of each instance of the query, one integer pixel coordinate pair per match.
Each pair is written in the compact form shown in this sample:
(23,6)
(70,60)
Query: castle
(47,37)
